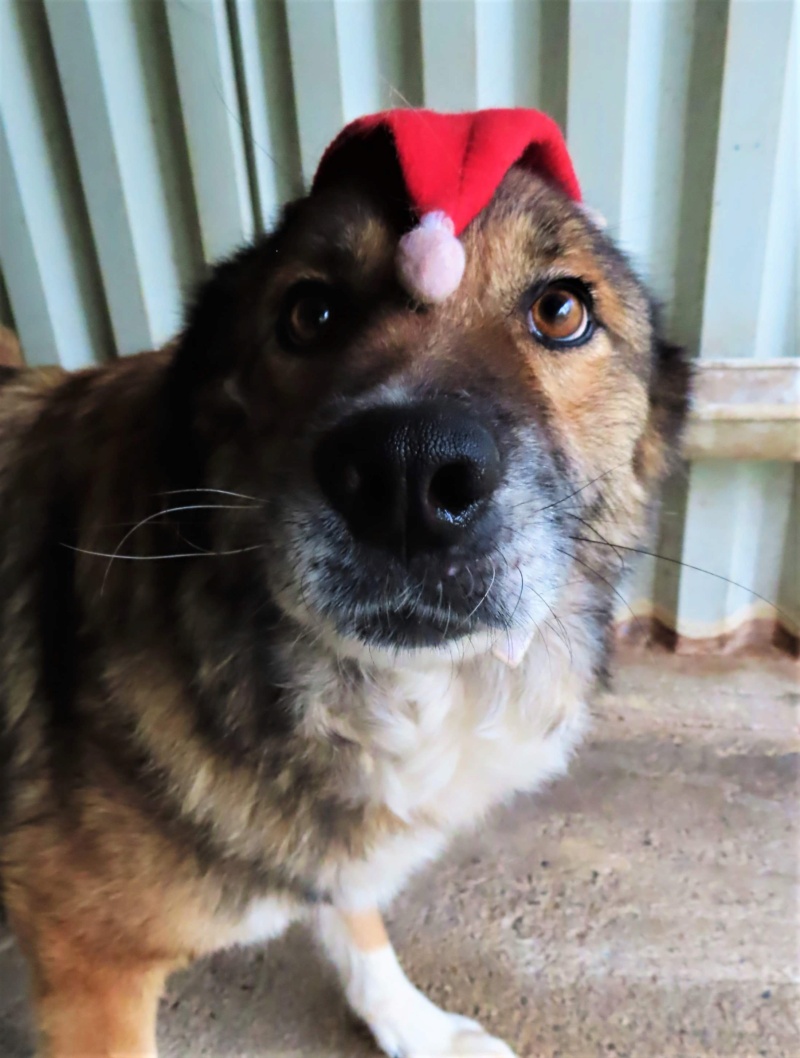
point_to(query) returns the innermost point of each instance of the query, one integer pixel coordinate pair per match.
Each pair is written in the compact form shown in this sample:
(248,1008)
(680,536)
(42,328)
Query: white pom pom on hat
(430,259)
(451,165)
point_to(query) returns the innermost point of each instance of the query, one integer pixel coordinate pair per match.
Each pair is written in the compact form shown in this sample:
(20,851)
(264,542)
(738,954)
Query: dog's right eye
(561,316)
(308,315)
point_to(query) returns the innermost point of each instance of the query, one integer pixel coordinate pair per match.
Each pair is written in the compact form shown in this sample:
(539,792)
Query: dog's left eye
(308,314)
(561,316)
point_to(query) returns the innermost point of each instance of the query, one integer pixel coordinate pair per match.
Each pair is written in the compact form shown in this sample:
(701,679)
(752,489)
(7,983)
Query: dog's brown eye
(307,315)
(560,316)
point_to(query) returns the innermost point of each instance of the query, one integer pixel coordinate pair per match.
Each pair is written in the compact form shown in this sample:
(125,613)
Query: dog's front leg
(403,1021)
(86,1011)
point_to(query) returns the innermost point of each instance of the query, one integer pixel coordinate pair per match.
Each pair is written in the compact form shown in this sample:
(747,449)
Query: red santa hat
(451,165)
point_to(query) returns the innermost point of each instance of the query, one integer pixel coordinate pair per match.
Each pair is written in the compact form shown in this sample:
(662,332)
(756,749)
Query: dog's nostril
(351,480)
(453,489)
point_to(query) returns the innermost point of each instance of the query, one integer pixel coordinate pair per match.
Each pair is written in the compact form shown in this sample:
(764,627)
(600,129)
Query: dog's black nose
(409,478)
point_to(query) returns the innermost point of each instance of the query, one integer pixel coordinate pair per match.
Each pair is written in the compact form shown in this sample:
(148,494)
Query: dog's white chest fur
(449,743)
(442,743)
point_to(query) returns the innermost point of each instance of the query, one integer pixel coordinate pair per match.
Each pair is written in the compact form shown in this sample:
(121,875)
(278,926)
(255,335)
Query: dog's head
(423,472)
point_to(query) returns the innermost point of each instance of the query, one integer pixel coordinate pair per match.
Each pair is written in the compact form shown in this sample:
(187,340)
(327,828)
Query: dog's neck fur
(422,719)
(439,742)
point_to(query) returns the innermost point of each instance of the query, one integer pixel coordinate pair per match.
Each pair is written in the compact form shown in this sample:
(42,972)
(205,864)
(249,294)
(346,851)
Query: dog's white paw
(422,1030)
(404,1022)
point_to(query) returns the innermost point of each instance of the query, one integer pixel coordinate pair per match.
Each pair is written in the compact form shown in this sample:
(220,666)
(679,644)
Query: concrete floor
(646,906)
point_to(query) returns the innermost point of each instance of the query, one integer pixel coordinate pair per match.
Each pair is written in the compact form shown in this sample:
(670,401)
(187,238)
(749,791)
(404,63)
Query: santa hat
(451,165)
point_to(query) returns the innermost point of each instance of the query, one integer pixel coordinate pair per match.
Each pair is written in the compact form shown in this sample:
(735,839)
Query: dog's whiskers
(117,552)
(575,492)
(679,562)
(485,595)
(599,575)
(220,492)
(199,553)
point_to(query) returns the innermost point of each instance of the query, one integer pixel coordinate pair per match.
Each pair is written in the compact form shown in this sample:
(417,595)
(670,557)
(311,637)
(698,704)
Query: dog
(286,605)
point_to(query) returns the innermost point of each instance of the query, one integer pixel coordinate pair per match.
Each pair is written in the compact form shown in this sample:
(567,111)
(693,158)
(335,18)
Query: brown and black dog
(285,606)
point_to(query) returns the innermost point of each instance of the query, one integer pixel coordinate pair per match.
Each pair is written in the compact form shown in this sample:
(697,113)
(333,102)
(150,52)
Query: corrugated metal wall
(140,138)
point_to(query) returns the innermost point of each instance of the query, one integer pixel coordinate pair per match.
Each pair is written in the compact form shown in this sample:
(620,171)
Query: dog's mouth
(430,602)
(412,627)
(370,600)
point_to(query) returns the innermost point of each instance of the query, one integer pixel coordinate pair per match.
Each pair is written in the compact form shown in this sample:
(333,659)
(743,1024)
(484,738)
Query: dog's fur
(196,750)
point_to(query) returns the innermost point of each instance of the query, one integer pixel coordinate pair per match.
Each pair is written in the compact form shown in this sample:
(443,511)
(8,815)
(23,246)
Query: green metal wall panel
(139,140)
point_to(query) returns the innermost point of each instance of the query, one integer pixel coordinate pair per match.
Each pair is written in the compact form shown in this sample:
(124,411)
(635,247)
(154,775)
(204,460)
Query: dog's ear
(10,351)
(659,448)
(230,318)
(229,326)
(670,391)
(225,319)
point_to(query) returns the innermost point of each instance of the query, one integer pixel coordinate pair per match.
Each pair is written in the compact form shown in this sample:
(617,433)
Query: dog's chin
(406,628)
(404,636)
